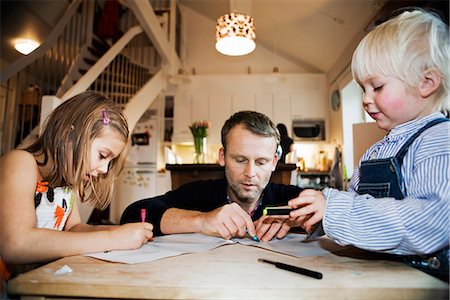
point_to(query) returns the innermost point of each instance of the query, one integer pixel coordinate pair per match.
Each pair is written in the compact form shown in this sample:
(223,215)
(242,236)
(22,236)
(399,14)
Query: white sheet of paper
(177,244)
(294,245)
(164,246)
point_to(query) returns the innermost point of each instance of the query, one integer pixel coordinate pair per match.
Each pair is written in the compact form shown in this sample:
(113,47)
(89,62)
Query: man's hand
(311,207)
(227,221)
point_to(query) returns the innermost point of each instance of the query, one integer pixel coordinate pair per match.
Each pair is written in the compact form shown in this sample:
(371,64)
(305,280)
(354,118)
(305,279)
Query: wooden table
(232,272)
(185,173)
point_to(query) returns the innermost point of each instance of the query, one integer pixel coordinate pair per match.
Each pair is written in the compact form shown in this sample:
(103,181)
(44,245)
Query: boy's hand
(311,206)
(269,226)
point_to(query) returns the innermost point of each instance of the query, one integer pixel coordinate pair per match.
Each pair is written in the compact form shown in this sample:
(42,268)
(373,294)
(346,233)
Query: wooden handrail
(91,75)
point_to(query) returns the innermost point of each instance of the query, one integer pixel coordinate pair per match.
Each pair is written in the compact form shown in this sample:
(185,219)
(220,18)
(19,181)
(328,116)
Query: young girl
(398,201)
(78,155)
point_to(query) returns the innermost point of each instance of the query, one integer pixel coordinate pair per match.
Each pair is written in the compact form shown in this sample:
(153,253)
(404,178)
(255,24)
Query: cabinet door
(282,109)
(219,112)
(182,119)
(243,101)
(200,107)
(264,104)
(309,104)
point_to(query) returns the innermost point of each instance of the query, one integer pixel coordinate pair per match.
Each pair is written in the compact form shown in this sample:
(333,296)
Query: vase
(199,150)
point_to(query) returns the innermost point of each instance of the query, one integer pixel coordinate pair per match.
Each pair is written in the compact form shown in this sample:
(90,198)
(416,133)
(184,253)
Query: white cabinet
(309,100)
(200,107)
(217,97)
(308,104)
(182,118)
(216,108)
(264,104)
(219,111)
(282,109)
(188,109)
(243,101)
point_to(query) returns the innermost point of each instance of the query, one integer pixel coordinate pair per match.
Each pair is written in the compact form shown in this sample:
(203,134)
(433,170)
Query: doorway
(352,113)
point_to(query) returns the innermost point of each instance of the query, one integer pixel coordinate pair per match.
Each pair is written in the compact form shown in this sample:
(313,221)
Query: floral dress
(53,206)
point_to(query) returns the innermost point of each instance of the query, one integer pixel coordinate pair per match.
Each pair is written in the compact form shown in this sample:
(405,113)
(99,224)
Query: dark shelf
(184,173)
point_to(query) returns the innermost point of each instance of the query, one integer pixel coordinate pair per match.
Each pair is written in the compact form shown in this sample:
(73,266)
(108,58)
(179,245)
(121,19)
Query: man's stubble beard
(243,196)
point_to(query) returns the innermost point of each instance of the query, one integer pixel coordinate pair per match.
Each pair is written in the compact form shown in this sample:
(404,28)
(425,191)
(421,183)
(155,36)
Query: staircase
(88,56)
(128,69)
(63,63)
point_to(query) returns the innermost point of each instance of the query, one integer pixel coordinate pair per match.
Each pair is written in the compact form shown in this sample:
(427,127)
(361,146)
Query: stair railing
(23,82)
(123,73)
(52,40)
(94,72)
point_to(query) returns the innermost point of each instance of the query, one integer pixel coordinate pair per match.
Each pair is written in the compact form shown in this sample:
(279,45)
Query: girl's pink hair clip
(105,117)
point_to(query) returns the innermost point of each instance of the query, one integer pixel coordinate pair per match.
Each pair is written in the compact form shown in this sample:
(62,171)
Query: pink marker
(143,215)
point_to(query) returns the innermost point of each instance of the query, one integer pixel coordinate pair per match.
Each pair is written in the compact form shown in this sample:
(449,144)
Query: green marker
(277,210)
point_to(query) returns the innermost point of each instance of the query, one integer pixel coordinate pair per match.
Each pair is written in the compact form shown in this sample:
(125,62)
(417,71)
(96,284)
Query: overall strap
(408,143)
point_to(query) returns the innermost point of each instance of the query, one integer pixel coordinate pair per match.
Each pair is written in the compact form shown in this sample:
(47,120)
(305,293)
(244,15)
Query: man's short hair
(257,123)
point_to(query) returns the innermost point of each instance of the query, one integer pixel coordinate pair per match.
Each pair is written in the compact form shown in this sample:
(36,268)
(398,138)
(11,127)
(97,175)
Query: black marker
(294,269)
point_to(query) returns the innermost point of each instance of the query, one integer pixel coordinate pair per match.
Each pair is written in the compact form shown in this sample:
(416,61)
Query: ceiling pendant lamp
(179,79)
(275,77)
(235,34)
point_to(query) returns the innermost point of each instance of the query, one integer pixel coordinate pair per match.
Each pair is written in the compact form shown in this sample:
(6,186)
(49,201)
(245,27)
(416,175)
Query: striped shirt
(417,224)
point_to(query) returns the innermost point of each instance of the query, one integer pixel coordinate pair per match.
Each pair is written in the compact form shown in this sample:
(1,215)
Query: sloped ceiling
(309,33)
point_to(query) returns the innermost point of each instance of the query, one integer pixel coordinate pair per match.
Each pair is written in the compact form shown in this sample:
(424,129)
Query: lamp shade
(179,79)
(25,46)
(235,34)
(275,77)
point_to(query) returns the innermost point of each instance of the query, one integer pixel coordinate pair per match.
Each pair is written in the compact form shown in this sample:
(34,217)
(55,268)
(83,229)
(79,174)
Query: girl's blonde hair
(404,47)
(66,141)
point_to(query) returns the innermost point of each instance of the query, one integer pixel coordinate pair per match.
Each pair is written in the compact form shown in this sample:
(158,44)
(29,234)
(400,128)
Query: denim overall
(383,178)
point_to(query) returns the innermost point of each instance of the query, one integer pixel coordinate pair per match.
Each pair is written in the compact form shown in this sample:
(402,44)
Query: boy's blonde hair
(404,47)
(66,142)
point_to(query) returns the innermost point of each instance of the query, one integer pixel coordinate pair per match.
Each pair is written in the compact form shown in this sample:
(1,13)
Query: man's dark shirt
(204,196)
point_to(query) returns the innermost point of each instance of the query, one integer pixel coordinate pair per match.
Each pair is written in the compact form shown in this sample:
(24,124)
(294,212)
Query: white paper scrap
(63,270)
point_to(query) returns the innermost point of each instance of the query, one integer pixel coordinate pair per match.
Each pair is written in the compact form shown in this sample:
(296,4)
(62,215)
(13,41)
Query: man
(231,206)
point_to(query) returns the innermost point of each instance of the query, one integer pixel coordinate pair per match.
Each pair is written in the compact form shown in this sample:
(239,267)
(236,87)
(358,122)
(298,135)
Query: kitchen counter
(184,173)
(313,179)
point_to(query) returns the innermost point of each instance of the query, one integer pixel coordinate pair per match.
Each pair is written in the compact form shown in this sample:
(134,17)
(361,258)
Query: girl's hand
(311,206)
(132,235)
